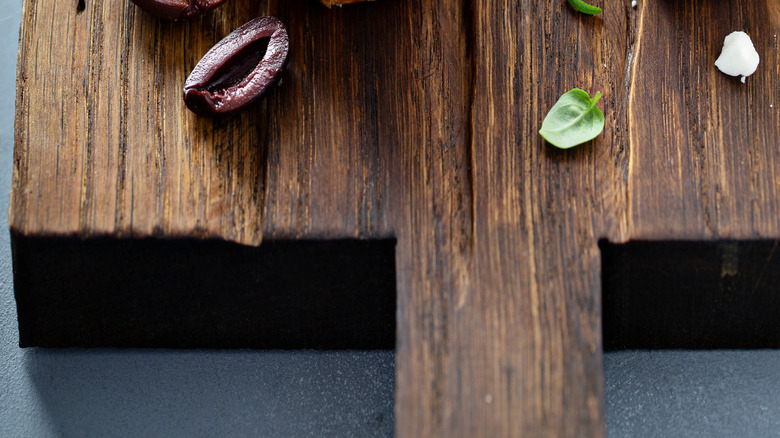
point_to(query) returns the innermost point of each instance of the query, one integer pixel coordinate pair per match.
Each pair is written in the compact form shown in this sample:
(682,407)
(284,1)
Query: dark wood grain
(123,157)
(705,148)
(416,121)
(539,212)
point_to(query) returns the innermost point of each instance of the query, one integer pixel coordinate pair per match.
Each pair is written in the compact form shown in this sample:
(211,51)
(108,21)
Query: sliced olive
(239,69)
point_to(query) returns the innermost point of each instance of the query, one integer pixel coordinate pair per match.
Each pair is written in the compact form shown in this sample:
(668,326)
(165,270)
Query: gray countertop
(148,393)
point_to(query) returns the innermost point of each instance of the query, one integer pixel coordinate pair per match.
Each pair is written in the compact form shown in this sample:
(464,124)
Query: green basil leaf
(573,120)
(584,7)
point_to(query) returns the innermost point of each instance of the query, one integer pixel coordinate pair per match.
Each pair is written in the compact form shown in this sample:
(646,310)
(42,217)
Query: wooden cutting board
(409,122)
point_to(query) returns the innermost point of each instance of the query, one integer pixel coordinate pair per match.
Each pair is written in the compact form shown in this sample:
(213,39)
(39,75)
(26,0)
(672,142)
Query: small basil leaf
(584,7)
(573,120)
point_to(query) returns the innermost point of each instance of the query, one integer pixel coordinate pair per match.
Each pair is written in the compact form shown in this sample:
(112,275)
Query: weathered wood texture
(418,120)
(705,148)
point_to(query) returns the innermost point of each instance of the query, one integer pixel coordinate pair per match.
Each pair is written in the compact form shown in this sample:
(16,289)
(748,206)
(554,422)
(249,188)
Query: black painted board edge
(690,295)
(190,293)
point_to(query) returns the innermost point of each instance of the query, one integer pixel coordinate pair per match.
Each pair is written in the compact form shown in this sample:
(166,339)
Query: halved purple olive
(177,9)
(239,69)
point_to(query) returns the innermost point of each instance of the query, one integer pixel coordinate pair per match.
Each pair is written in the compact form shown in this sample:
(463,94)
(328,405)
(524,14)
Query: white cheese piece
(738,57)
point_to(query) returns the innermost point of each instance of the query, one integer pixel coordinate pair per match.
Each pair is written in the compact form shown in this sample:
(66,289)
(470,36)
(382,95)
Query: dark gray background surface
(49,393)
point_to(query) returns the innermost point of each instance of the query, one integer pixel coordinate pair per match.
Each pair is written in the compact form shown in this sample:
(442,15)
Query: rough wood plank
(427,133)
(327,170)
(705,148)
(122,156)
(539,213)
